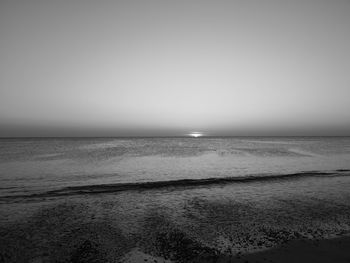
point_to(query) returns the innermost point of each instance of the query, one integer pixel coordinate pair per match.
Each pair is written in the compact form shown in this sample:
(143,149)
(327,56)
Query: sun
(195,134)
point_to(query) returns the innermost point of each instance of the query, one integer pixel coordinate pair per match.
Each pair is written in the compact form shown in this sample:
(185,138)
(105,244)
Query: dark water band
(182,183)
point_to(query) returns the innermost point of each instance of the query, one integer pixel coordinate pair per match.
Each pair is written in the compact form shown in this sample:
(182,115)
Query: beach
(124,214)
(210,223)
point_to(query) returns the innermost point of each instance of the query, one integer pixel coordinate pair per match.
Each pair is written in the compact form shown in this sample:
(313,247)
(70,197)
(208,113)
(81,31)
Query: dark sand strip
(335,250)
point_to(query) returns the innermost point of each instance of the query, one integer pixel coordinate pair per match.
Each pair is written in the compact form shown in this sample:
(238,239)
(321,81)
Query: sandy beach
(210,223)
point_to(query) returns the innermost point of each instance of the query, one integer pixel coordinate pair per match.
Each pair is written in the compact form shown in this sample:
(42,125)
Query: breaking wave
(182,183)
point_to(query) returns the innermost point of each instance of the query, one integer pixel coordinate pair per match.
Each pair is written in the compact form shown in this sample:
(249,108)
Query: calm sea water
(31,166)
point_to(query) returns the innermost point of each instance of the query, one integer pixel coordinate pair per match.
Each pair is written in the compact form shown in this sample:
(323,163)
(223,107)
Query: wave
(182,183)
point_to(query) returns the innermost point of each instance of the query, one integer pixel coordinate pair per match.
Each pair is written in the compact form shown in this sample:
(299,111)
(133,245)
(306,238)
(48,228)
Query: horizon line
(164,136)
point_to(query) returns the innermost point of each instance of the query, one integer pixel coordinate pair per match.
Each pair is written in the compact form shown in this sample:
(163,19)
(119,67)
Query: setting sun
(195,134)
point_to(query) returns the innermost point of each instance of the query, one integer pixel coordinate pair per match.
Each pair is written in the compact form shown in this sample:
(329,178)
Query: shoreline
(273,221)
(175,184)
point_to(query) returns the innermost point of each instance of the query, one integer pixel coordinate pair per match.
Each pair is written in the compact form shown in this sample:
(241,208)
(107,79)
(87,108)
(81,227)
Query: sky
(169,68)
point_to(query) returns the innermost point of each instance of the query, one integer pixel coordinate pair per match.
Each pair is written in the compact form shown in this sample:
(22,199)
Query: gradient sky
(172,67)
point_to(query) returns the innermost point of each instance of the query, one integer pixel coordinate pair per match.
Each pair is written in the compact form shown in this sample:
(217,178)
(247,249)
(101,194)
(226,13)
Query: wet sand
(335,250)
(304,251)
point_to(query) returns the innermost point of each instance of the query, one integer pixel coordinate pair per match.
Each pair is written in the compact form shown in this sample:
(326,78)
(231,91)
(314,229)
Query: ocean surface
(118,199)
(37,166)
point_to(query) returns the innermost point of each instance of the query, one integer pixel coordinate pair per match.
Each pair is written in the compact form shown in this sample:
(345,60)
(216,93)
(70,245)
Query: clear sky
(173,67)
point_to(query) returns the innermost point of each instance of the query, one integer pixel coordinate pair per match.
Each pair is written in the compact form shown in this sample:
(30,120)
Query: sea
(30,166)
(230,195)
